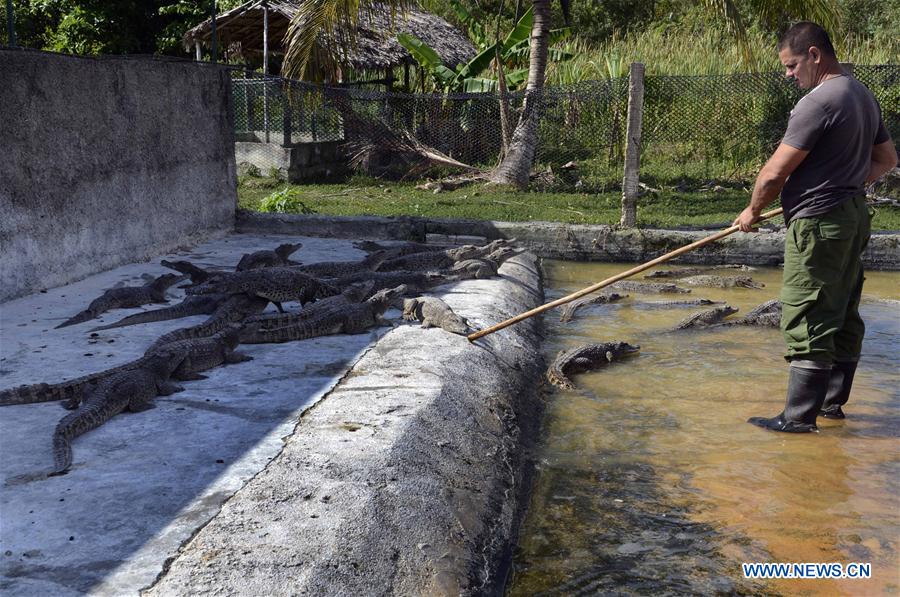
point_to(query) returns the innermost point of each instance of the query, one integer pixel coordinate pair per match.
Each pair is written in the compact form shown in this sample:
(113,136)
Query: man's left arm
(769,183)
(884,159)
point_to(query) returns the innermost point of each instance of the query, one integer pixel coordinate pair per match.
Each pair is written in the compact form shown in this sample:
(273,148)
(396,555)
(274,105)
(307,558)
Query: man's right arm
(884,159)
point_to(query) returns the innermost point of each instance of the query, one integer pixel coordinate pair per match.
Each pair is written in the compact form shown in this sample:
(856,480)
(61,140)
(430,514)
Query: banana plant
(466,78)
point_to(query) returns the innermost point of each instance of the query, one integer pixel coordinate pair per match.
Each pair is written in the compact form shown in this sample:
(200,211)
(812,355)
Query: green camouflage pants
(823,279)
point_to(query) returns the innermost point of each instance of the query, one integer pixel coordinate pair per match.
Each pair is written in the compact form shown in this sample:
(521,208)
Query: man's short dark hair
(804,34)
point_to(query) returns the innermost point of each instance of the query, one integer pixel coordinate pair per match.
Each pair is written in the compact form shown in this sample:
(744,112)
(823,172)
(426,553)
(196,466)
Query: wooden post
(212,32)
(265,8)
(10,25)
(633,145)
(197,53)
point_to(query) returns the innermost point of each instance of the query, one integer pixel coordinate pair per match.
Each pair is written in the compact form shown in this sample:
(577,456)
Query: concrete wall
(106,161)
(301,162)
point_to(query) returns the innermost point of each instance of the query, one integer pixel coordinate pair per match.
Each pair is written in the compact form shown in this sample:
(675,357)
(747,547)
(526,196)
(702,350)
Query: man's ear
(815,54)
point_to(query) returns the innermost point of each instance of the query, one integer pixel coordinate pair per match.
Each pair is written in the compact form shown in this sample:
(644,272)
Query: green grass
(679,205)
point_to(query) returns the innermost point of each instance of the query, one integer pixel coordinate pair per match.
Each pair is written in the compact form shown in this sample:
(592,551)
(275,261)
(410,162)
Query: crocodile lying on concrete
(433,312)
(483,267)
(683,272)
(398,250)
(767,314)
(416,282)
(436,260)
(128,296)
(131,390)
(712,281)
(706,318)
(648,287)
(336,269)
(196,355)
(585,358)
(278,257)
(277,284)
(568,311)
(192,305)
(350,319)
(197,274)
(234,309)
(355,293)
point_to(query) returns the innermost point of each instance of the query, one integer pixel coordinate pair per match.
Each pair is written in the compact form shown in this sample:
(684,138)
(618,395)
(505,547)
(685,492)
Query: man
(836,144)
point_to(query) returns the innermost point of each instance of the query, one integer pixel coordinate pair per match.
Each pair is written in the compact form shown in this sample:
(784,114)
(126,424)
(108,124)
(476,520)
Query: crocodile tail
(558,378)
(62,453)
(85,315)
(568,312)
(42,392)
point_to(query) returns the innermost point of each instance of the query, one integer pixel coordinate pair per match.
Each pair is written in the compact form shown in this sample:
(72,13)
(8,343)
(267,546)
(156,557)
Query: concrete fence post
(633,145)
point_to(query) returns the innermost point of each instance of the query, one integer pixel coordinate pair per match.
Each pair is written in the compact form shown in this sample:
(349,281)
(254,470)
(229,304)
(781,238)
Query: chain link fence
(694,127)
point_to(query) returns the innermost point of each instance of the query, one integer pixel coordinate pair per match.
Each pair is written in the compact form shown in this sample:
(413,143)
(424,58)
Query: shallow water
(650,481)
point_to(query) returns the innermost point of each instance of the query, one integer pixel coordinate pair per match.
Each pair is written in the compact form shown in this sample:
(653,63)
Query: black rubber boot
(805,395)
(838,390)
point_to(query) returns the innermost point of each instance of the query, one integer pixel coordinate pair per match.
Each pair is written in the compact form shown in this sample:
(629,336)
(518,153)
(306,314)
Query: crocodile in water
(706,318)
(568,312)
(767,314)
(585,358)
(351,319)
(278,257)
(683,272)
(433,312)
(648,287)
(128,296)
(713,281)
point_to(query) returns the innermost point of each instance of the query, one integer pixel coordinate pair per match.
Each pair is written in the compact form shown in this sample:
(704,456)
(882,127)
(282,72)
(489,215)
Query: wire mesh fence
(703,127)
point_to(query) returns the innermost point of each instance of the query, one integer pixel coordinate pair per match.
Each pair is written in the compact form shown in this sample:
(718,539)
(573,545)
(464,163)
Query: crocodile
(585,358)
(483,267)
(277,284)
(435,260)
(433,312)
(197,354)
(712,281)
(767,314)
(234,309)
(124,297)
(354,293)
(683,272)
(416,282)
(648,287)
(706,318)
(197,274)
(336,269)
(131,390)
(398,250)
(350,319)
(568,312)
(701,302)
(192,305)
(278,257)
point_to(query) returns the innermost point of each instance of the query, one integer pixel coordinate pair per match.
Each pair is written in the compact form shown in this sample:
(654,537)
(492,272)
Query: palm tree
(317,17)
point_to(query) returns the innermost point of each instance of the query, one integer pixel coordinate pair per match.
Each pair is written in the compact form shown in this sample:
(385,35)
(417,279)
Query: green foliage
(287,200)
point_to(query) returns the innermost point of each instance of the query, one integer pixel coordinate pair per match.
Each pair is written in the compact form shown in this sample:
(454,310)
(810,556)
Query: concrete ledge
(406,479)
(567,241)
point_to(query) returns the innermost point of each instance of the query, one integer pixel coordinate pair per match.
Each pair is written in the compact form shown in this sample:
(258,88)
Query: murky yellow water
(650,481)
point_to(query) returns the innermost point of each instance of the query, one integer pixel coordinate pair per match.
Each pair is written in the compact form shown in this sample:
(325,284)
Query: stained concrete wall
(553,240)
(108,161)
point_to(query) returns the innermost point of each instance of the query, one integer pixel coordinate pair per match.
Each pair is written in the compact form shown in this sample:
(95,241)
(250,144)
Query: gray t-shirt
(838,122)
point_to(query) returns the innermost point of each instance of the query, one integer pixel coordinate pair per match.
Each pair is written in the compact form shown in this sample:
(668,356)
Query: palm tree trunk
(516,165)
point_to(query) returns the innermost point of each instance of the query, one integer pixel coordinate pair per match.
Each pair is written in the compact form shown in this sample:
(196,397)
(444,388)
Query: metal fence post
(10,24)
(633,145)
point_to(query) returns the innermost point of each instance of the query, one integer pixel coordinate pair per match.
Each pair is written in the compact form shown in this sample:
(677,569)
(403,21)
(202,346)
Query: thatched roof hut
(376,48)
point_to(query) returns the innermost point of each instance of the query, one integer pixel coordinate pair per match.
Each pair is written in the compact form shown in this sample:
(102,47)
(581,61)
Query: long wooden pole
(635,270)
